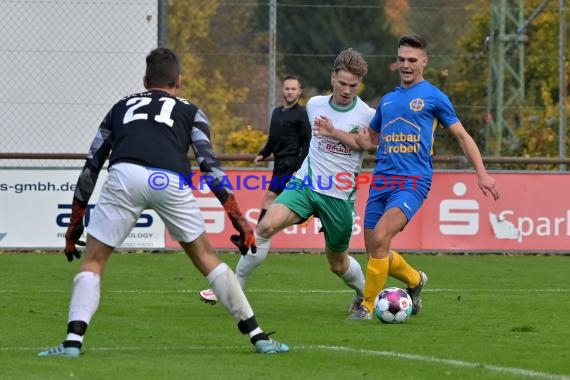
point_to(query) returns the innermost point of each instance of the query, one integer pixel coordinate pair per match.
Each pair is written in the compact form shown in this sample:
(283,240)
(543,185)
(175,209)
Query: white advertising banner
(35,206)
(533,214)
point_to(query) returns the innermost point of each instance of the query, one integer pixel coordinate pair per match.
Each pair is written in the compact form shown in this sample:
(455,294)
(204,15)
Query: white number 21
(136,103)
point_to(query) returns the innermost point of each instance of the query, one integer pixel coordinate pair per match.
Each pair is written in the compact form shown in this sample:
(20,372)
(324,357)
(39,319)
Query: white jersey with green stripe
(330,167)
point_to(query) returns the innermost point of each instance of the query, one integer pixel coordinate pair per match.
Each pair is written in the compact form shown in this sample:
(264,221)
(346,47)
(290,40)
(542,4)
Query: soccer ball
(393,305)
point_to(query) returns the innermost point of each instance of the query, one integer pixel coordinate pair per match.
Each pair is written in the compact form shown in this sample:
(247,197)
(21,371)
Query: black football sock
(250,325)
(77,329)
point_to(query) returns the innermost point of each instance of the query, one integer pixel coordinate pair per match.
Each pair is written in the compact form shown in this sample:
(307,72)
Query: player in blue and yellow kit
(402,130)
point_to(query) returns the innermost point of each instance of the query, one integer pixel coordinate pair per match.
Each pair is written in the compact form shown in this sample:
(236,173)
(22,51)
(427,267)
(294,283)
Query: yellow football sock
(376,275)
(400,269)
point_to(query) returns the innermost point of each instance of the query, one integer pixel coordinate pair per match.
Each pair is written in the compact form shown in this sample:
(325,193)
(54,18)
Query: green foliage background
(536,117)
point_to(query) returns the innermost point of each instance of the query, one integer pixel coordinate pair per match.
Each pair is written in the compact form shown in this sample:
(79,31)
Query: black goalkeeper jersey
(152,129)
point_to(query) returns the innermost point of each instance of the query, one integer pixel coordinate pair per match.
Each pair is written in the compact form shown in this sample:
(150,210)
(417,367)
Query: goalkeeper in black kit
(147,137)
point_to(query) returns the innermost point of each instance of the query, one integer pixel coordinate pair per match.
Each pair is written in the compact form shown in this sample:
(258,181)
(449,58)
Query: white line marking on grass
(360,351)
(450,362)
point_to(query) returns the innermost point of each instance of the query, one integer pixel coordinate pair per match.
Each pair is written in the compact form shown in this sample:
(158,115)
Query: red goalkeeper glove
(245,240)
(74,230)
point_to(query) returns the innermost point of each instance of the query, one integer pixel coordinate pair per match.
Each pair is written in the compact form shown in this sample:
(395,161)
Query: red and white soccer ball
(393,305)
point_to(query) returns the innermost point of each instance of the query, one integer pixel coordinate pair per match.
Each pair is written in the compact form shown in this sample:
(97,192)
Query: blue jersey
(406,119)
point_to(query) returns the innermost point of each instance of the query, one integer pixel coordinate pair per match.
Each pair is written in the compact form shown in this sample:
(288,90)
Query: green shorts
(336,215)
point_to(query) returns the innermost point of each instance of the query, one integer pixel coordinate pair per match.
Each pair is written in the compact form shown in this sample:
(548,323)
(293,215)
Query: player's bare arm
(323,126)
(486,183)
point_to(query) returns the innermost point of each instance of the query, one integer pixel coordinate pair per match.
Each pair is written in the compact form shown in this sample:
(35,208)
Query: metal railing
(448,159)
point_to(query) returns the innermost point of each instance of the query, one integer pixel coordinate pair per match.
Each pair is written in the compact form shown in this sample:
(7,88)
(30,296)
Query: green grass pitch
(484,317)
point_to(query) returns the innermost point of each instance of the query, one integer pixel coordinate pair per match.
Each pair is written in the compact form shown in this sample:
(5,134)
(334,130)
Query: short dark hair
(293,77)
(162,67)
(414,41)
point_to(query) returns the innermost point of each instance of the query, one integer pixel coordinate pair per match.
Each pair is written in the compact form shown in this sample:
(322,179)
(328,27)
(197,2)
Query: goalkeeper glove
(74,230)
(245,240)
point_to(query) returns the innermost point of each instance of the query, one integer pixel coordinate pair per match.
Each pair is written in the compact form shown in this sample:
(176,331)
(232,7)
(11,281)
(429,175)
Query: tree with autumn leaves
(535,119)
(201,32)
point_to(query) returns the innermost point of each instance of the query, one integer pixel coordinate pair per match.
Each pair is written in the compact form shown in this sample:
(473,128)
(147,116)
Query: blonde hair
(351,61)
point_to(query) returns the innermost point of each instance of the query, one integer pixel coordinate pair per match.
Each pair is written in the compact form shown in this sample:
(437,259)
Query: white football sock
(353,277)
(247,264)
(84,299)
(226,287)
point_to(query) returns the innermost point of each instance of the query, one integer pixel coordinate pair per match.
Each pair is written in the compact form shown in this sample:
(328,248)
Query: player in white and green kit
(315,189)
